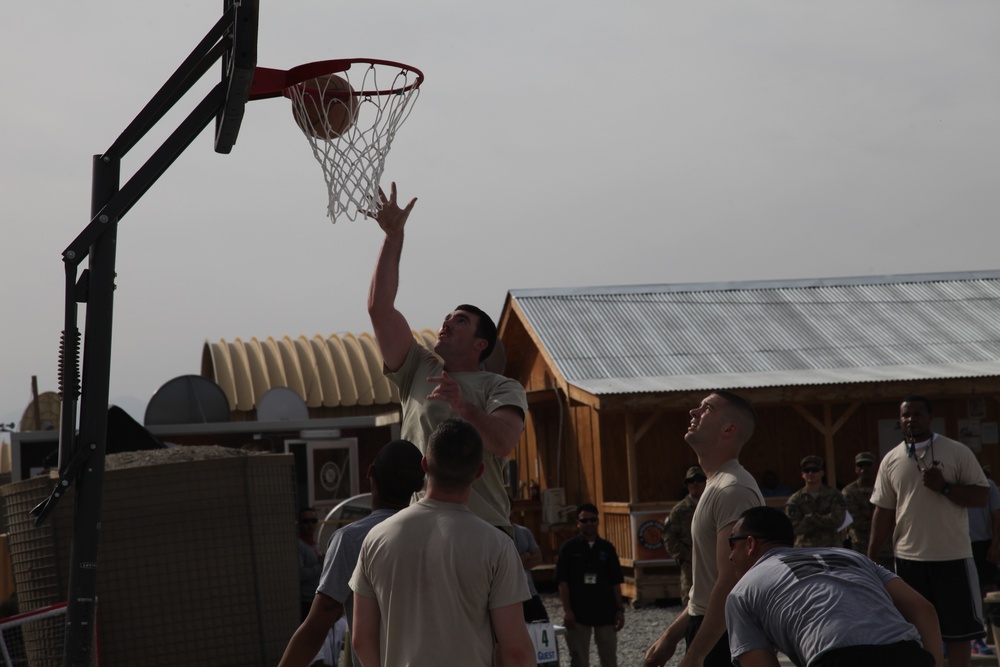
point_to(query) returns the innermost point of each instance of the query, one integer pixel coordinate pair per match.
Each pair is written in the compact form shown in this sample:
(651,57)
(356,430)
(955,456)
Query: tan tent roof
(336,371)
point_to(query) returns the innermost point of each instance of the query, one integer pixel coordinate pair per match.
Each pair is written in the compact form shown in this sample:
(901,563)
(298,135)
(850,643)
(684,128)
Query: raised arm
(500,429)
(392,332)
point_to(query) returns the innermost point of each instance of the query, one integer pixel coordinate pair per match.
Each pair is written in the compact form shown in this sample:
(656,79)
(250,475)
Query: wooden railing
(616,527)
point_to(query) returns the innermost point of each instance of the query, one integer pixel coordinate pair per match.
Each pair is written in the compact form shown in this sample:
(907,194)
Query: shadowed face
(458,334)
(696,487)
(308,522)
(738,550)
(587,523)
(812,475)
(915,421)
(707,421)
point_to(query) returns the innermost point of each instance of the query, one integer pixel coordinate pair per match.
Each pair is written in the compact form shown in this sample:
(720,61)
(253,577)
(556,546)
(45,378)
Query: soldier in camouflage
(817,511)
(858,495)
(677,531)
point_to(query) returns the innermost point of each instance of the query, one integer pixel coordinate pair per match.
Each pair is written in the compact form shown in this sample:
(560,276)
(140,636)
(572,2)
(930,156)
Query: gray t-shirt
(524,541)
(804,602)
(981,518)
(341,559)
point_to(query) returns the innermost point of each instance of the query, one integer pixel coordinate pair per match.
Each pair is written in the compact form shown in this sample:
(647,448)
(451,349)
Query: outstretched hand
(389,216)
(448,390)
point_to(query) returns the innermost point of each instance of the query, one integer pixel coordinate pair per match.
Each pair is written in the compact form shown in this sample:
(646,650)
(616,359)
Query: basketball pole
(82,453)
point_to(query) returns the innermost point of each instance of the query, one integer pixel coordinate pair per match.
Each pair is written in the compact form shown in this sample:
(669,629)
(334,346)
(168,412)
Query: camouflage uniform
(858,499)
(817,518)
(677,539)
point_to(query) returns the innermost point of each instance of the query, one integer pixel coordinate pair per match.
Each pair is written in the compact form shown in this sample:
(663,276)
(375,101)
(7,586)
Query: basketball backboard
(238,65)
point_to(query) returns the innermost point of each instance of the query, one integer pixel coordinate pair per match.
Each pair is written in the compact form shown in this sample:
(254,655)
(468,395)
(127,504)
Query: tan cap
(693,472)
(812,461)
(864,457)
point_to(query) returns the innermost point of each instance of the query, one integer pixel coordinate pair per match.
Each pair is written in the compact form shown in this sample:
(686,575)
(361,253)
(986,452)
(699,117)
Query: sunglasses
(309,521)
(811,470)
(733,539)
(590,520)
(864,464)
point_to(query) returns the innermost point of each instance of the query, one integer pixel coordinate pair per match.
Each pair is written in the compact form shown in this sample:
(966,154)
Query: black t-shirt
(591,573)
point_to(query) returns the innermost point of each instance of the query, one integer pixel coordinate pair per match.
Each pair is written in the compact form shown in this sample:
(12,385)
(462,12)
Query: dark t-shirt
(591,573)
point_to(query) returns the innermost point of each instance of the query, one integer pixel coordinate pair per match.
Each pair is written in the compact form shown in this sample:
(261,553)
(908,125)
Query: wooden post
(632,436)
(828,428)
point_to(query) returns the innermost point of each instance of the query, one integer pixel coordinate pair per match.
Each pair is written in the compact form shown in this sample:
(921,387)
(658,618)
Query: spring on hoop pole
(69,364)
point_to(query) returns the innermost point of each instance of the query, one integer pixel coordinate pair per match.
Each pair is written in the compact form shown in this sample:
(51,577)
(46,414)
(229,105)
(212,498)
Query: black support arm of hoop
(81,454)
(122,201)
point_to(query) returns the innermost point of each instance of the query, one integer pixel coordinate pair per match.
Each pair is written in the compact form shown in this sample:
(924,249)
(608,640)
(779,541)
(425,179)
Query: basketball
(329,107)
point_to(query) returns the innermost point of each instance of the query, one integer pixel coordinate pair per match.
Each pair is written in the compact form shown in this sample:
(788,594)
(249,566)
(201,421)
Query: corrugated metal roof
(654,338)
(335,371)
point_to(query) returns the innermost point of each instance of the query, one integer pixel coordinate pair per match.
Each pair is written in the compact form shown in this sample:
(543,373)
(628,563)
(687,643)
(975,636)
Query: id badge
(590,578)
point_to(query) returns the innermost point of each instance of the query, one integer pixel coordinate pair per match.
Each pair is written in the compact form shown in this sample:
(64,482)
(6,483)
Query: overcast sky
(555,143)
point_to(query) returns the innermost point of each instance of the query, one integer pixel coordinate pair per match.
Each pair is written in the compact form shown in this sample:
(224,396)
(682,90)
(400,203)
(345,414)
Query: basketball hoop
(349,111)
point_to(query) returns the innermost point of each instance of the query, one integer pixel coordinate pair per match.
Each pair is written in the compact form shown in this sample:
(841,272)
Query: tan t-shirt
(421,416)
(929,527)
(729,491)
(436,571)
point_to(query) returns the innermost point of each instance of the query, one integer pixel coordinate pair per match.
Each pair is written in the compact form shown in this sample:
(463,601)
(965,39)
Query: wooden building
(611,374)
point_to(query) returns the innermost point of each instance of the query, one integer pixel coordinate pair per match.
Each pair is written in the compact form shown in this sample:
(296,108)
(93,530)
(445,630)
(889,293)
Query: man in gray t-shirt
(826,606)
(395,475)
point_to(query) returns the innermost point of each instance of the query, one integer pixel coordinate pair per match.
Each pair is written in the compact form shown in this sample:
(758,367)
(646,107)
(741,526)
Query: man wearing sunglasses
(822,607)
(590,577)
(816,511)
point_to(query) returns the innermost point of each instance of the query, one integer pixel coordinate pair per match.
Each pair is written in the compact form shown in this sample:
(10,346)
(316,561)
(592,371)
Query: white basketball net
(353,161)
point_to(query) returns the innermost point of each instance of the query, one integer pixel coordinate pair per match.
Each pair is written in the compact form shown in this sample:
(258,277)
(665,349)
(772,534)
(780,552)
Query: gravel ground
(642,627)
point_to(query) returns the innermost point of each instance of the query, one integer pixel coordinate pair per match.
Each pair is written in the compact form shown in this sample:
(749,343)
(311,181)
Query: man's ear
(423,463)
(731,430)
(482,469)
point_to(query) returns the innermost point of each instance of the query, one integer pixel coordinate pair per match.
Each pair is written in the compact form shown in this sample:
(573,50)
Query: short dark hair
(916,398)
(397,472)
(485,328)
(454,454)
(586,507)
(743,409)
(303,510)
(768,524)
